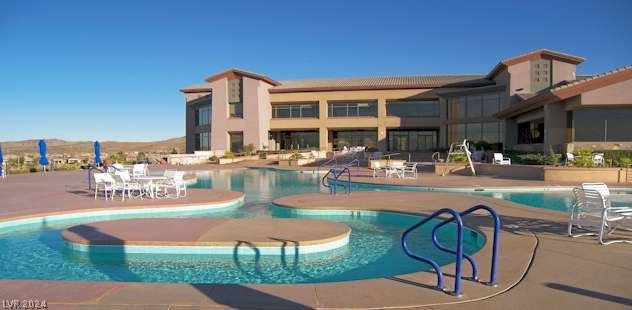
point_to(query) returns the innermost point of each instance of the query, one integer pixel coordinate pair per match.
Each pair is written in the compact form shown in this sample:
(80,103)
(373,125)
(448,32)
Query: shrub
(551,158)
(482,146)
(213,158)
(624,162)
(531,159)
(228,154)
(458,158)
(248,149)
(584,158)
(296,156)
(174,151)
(32,169)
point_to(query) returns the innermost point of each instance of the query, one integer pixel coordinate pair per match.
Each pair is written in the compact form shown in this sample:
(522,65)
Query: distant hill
(57,146)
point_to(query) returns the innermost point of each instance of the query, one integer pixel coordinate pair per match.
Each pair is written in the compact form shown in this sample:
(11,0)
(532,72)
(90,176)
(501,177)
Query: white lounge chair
(410,168)
(105,182)
(592,211)
(598,159)
(139,170)
(570,158)
(602,188)
(500,159)
(176,182)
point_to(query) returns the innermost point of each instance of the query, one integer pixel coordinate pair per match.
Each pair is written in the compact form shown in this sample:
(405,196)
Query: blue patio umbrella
(97,152)
(1,160)
(43,161)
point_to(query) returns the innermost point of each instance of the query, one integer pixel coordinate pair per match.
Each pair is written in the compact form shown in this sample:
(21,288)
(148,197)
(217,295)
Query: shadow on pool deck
(590,293)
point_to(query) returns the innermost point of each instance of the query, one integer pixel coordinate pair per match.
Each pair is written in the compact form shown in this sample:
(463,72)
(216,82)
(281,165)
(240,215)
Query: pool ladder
(332,180)
(459,254)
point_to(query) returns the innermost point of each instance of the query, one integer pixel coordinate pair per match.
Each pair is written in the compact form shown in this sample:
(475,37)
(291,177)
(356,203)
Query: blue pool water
(373,251)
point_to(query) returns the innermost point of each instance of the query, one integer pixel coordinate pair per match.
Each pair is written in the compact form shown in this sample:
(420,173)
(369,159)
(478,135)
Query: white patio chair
(410,168)
(500,159)
(395,168)
(598,159)
(570,158)
(591,211)
(176,182)
(139,170)
(377,167)
(125,183)
(103,181)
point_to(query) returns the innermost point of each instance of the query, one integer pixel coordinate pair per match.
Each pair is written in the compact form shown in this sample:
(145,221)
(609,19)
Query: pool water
(373,251)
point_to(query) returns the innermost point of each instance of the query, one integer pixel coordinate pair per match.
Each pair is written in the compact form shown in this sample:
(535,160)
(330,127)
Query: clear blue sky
(111,70)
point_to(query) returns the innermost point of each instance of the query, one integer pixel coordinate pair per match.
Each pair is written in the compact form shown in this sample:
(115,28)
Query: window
(491,132)
(292,140)
(456,133)
(236,109)
(425,108)
(202,141)
(596,125)
(475,132)
(456,108)
(412,140)
(295,110)
(366,138)
(531,132)
(491,104)
(540,74)
(236,141)
(474,106)
(203,116)
(235,98)
(352,109)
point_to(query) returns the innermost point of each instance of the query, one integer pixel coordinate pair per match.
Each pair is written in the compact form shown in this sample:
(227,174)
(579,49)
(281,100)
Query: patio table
(150,181)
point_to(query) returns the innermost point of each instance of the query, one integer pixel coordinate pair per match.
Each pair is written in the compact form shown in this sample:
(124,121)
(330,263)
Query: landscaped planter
(451,168)
(576,175)
(236,159)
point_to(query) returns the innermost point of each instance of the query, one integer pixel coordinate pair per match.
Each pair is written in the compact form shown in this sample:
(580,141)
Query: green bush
(296,156)
(583,158)
(228,154)
(531,159)
(32,169)
(482,146)
(248,149)
(213,158)
(551,158)
(458,158)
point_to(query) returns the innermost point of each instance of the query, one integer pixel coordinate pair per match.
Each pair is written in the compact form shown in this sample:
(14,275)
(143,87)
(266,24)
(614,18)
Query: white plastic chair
(592,211)
(104,182)
(396,168)
(125,183)
(500,159)
(410,168)
(176,182)
(598,159)
(139,170)
(570,158)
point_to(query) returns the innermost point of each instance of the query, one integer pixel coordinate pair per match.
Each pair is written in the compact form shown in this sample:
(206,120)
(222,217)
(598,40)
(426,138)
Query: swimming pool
(373,251)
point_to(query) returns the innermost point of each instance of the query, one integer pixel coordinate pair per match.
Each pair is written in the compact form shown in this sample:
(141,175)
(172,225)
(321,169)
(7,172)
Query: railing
(336,158)
(333,181)
(459,254)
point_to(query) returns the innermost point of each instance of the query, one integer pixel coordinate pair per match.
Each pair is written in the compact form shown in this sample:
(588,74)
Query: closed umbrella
(2,172)
(43,161)
(97,153)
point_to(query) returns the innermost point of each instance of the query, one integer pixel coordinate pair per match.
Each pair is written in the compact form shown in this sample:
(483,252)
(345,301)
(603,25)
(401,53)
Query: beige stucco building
(527,102)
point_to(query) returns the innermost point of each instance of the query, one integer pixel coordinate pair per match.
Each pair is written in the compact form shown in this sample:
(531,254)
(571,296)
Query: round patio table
(150,181)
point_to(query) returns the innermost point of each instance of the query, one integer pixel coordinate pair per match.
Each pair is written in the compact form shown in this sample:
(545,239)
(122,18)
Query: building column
(323,132)
(381,124)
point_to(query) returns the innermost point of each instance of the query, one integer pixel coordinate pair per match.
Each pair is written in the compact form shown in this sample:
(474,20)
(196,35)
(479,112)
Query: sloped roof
(233,72)
(540,53)
(197,88)
(382,82)
(567,90)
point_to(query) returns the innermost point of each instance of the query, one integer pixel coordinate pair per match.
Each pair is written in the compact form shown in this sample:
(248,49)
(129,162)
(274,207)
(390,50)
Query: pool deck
(540,268)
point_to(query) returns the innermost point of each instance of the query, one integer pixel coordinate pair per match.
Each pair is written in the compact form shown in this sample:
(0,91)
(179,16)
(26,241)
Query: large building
(529,102)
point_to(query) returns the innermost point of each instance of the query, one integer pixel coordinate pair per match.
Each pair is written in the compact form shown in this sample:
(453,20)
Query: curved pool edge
(45,218)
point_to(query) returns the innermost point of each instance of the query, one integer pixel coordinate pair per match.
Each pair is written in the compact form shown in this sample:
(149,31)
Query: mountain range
(58,146)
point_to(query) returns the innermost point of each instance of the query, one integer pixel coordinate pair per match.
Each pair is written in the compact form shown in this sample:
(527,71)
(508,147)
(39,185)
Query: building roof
(567,90)
(537,54)
(383,82)
(234,72)
(197,88)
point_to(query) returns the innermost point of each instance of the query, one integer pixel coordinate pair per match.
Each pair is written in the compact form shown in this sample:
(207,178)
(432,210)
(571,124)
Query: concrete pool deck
(541,268)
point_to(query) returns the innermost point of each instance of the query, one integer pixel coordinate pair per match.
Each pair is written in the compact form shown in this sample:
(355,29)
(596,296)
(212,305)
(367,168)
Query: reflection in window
(602,125)
(531,132)
(203,116)
(475,132)
(421,108)
(236,141)
(352,109)
(474,106)
(292,140)
(366,138)
(491,104)
(412,140)
(202,141)
(295,110)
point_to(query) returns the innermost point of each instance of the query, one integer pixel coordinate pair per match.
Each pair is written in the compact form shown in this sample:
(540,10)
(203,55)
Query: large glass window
(366,138)
(352,109)
(236,141)
(295,110)
(492,132)
(456,108)
(422,108)
(597,125)
(531,132)
(202,141)
(236,109)
(412,140)
(292,140)
(203,116)
(475,132)
(491,104)
(474,106)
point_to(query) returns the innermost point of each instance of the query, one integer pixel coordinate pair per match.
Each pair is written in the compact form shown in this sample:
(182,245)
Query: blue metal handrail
(495,242)
(332,182)
(459,248)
